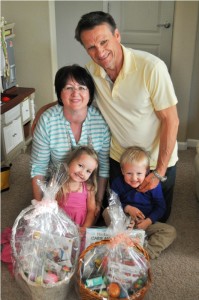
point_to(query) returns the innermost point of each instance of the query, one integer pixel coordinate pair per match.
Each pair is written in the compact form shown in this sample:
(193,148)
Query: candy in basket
(45,244)
(117,268)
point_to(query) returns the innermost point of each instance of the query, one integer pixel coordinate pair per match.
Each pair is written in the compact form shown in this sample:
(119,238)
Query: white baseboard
(190,143)
(182,145)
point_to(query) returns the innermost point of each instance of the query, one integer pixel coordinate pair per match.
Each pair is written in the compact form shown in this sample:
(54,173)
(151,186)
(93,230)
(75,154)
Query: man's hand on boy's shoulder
(149,183)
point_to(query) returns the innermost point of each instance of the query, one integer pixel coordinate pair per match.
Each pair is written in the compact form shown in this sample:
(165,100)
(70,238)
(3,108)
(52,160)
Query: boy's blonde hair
(135,154)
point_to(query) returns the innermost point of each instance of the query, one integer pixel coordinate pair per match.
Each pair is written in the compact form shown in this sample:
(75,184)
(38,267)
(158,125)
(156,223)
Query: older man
(136,97)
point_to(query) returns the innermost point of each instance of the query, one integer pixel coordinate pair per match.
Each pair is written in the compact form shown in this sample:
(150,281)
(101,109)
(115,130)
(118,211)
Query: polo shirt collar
(129,65)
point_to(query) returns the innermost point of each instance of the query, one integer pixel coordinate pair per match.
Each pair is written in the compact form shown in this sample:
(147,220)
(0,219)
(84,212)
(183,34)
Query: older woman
(72,122)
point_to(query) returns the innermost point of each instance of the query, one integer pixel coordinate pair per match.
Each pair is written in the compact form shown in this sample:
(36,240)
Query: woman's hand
(134,212)
(149,183)
(97,210)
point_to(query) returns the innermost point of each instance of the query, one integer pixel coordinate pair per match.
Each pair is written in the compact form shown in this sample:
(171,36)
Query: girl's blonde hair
(135,154)
(77,152)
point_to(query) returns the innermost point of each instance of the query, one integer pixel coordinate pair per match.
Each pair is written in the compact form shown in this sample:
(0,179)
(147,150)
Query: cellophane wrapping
(117,269)
(45,244)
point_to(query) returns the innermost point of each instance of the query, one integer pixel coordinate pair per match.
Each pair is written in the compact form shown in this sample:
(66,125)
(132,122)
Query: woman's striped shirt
(53,140)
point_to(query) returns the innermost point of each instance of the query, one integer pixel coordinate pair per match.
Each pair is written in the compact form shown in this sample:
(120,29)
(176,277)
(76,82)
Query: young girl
(77,195)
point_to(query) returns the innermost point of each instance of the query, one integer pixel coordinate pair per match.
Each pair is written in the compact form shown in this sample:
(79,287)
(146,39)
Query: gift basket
(117,268)
(45,244)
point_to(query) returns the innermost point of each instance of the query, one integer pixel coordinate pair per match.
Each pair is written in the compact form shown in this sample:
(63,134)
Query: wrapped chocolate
(117,268)
(45,244)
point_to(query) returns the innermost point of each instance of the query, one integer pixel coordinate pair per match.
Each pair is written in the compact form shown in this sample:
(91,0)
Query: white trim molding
(190,143)
(53,42)
(105,6)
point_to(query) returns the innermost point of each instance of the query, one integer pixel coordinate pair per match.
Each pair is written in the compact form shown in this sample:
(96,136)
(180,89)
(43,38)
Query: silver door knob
(165,25)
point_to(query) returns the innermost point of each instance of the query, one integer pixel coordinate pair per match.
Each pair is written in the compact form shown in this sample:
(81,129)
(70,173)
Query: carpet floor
(175,273)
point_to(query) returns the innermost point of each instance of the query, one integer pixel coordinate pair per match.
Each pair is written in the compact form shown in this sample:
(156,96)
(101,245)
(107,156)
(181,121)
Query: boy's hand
(143,224)
(134,212)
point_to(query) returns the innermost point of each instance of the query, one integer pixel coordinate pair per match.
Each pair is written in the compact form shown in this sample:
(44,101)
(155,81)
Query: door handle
(165,25)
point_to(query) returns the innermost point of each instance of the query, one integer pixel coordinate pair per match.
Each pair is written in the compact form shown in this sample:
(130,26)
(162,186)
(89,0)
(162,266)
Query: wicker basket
(34,290)
(87,294)
(58,291)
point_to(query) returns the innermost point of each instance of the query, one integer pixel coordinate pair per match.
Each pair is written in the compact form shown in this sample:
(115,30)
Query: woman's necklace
(71,190)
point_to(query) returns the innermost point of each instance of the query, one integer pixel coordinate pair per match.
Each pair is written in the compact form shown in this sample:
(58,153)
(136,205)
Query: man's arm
(168,135)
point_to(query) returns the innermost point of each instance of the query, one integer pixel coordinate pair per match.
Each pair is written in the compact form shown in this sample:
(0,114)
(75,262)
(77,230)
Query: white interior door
(68,14)
(145,25)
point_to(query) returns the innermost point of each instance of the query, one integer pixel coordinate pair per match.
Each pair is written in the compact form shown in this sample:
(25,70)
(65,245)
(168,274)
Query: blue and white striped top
(53,140)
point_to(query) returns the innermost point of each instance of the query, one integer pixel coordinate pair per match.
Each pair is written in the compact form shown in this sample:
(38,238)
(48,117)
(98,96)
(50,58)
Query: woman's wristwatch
(161,178)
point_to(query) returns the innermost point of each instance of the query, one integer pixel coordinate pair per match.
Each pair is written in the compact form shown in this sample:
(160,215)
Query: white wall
(67,14)
(193,124)
(32,46)
(182,59)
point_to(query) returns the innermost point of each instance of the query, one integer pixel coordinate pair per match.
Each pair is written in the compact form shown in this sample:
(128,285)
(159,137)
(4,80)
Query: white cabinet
(25,109)
(13,135)
(27,114)
(16,120)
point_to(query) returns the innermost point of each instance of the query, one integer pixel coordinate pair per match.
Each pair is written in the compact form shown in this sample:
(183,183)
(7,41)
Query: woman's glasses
(72,88)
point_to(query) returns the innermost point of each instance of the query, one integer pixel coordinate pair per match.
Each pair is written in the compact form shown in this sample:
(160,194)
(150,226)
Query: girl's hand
(143,224)
(131,224)
(134,212)
(82,231)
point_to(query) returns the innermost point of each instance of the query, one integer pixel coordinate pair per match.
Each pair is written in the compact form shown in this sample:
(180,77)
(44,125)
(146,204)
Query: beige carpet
(175,272)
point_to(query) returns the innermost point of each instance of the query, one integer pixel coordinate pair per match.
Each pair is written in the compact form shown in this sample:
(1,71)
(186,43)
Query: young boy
(144,208)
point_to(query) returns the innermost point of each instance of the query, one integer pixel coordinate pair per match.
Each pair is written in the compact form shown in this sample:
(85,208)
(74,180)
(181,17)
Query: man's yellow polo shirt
(142,86)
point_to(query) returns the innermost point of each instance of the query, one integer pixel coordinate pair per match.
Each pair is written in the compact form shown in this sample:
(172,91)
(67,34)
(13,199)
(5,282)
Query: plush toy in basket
(45,244)
(118,268)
